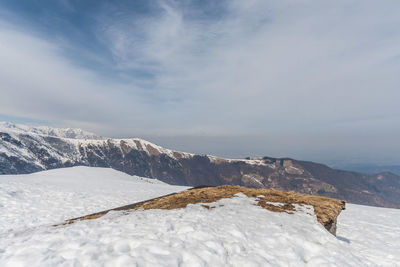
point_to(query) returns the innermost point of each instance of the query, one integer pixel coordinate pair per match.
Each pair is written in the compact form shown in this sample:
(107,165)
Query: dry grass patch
(326,209)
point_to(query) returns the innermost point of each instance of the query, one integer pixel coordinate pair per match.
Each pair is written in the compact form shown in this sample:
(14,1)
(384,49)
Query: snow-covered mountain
(235,232)
(48,131)
(26,149)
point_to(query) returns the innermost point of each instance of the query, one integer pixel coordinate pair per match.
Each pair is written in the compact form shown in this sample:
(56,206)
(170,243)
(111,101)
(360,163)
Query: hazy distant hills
(26,149)
(371,168)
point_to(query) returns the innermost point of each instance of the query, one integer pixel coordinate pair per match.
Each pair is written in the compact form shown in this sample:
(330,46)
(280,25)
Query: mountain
(370,168)
(26,150)
(49,131)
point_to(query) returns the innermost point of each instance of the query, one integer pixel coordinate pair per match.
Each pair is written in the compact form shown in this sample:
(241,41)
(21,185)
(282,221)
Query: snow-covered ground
(235,233)
(52,196)
(372,233)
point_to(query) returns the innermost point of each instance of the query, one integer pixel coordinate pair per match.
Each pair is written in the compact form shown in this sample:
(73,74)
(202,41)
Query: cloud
(232,68)
(37,82)
(265,63)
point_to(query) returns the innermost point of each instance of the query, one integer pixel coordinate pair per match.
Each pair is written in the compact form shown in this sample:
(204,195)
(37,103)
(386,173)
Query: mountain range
(369,168)
(25,149)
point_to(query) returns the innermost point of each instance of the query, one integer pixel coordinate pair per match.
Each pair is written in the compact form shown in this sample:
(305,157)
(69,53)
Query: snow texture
(74,140)
(372,233)
(48,131)
(53,196)
(82,139)
(234,233)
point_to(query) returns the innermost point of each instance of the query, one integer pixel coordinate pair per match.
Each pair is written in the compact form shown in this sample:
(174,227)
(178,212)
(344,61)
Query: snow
(277,204)
(13,150)
(53,196)
(235,232)
(23,152)
(372,233)
(254,161)
(48,131)
(194,236)
(78,138)
(135,143)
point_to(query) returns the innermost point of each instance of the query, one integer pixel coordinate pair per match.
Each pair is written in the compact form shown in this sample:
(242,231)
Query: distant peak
(72,133)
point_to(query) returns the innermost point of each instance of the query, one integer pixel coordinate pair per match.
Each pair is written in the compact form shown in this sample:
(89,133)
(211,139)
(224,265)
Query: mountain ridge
(72,133)
(26,152)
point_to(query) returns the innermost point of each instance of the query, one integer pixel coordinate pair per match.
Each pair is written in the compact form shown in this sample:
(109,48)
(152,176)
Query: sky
(313,80)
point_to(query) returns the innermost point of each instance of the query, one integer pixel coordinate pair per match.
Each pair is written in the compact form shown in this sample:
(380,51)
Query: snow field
(234,233)
(372,233)
(53,196)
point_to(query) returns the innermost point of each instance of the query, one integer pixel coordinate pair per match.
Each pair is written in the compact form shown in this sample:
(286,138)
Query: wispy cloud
(236,67)
(37,82)
(318,61)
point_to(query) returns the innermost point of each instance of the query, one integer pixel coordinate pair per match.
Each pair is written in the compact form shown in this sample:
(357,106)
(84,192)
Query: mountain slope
(49,131)
(26,152)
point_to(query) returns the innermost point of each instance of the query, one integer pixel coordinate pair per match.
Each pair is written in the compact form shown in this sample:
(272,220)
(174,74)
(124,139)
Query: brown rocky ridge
(326,209)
